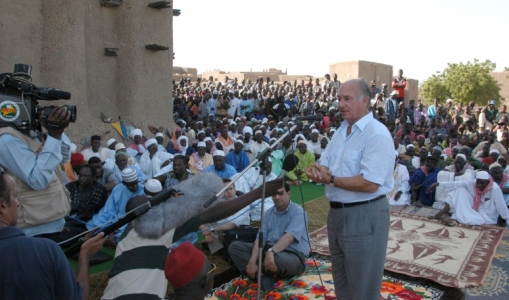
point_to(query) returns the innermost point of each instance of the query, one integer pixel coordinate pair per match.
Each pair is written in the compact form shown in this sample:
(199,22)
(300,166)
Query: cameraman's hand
(58,115)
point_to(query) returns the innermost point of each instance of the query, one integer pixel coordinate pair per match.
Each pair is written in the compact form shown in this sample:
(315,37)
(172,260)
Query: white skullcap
(410,146)
(247,129)
(448,100)
(265,120)
(159,135)
(332,130)
(394,93)
(129,175)
(312,126)
(462,156)
(291,122)
(201,144)
(273,139)
(110,141)
(207,139)
(302,142)
(280,122)
(494,151)
(136,132)
(219,153)
(73,148)
(239,141)
(482,175)
(150,142)
(153,186)
(232,122)
(494,165)
(501,157)
(315,131)
(200,131)
(119,146)
(258,131)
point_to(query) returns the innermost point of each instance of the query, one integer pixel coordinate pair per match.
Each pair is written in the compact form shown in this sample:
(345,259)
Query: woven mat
(310,286)
(457,256)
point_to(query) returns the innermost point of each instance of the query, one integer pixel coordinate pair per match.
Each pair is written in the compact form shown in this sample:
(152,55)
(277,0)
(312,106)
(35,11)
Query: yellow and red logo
(9,111)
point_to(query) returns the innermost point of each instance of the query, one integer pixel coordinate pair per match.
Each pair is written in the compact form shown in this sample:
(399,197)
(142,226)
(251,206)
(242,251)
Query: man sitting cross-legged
(478,202)
(286,243)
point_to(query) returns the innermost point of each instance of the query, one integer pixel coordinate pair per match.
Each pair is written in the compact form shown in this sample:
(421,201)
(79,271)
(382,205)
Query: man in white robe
(400,194)
(474,202)
(251,180)
(153,160)
(458,171)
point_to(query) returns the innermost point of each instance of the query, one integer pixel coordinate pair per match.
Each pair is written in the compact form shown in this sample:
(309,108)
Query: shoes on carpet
(267,282)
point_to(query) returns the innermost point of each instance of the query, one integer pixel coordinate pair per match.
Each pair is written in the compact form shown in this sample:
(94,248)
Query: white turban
(247,129)
(136,132)
(462,156)
(153,186)
(201,144)
(159,135)
(482,175)
(110,141)
(150,142)
(219,153)
(129,175)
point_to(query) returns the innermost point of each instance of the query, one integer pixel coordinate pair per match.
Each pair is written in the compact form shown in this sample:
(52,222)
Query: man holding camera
(35,168)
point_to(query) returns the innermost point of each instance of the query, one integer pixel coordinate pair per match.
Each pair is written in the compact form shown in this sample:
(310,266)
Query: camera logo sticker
(9,111)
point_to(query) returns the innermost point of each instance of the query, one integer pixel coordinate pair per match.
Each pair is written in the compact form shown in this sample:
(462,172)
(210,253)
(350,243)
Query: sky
(306,37)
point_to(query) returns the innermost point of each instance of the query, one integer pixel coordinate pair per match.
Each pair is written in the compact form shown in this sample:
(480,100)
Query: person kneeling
(286,243)
(478,202)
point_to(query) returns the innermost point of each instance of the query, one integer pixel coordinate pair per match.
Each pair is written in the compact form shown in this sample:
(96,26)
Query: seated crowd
(443,154)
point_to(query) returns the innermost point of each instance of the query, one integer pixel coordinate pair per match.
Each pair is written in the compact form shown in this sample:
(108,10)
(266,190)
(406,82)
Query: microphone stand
(261,243)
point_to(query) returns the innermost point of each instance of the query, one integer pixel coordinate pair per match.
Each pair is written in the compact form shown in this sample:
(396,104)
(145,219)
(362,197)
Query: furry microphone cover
(176,211)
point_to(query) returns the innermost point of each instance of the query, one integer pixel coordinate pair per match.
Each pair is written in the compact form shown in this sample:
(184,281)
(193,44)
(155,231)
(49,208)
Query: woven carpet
(457,256)
(317,283)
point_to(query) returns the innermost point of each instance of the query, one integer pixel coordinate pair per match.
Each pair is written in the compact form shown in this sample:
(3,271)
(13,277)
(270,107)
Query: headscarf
(174,137)
(478,193)
(182,148)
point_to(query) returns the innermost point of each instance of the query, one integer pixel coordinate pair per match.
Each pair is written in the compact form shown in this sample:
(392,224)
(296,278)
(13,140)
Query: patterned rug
(496,286)
(317,283)
(457,256)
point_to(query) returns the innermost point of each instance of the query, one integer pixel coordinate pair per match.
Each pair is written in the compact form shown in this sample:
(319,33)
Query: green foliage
(434,87)
(506,69)
(463,82)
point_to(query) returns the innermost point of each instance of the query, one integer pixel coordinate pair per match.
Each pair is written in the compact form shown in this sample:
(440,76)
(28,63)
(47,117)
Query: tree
(506,69)
(434,87)
(464,83)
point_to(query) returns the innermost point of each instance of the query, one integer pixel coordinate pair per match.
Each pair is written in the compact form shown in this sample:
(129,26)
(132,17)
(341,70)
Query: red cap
(183,264)
(77,159)
(487,160)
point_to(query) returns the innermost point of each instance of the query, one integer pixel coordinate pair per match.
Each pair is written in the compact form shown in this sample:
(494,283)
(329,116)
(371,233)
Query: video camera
(19,106)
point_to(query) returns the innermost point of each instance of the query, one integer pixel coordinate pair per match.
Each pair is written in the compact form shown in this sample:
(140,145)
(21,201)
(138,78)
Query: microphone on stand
(317,117)
(290,162)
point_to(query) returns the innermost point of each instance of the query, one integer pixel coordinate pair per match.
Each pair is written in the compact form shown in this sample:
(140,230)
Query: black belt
(334,204)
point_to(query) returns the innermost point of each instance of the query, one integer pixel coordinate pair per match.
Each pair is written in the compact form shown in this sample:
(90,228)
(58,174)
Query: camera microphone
(52,94)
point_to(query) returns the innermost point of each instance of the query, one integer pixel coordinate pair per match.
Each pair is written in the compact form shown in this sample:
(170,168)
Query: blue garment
(293,221)
(212,106)
(506,196)
(291,102)
(426,181)
(34,268)
(390,109)
(442,131)
(36,171)
(239,162)
(246,106)
(367,151)
(141,176)
(260,116)
(432,112)
(115,206)
(161,148)
(227,172)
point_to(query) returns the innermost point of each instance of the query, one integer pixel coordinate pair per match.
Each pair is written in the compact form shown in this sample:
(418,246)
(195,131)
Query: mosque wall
(65,41)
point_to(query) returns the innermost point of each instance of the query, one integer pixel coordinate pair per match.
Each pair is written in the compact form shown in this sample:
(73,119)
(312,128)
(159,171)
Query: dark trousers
(288,263)
(358,243)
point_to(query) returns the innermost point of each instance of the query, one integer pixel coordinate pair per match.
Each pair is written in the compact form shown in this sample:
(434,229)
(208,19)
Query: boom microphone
(171,214)
(290,162)
(317,117)
(51,94)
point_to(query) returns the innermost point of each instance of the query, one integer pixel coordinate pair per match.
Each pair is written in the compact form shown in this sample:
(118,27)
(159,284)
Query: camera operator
(35,168)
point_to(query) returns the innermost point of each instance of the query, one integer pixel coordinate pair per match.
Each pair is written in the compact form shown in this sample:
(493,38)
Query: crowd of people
(442,154)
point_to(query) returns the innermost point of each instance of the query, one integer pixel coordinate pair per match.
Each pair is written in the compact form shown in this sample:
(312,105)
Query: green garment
(305,160)
(277,157)
(491,115)
(441,163)
(474,163)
